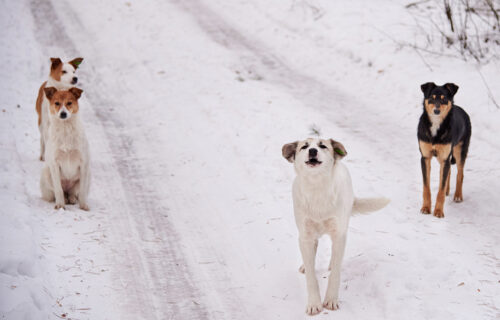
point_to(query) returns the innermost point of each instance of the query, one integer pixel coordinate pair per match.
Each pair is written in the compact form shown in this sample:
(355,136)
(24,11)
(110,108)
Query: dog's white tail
(367,205)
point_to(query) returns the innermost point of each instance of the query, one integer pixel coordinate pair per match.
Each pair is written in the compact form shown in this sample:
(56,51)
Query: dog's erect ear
(76,62)
(452,87)
(338,149)
(76,92)
(427,88)
(49,92)
(288,151)
(55,63)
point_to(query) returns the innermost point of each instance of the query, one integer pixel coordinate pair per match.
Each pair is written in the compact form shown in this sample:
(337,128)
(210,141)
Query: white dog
(323,202)
(66,175)
(62,77)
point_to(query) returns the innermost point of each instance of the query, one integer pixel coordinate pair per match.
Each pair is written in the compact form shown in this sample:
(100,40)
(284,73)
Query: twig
(414,4)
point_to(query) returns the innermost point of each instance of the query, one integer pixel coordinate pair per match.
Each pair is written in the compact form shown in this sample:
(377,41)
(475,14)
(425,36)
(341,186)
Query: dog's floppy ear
(288,151)
(452,87)
(76,92)
(76,62)
(49,92)
(338,149)
(55,63)
(427,88)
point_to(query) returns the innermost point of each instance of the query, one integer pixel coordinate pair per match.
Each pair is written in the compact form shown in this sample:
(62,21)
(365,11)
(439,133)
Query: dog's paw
(84,206)
(302,269)
(438,213)
(314,308)
(425,210)
(42,158)
(458,198)
(59,206)
(331,304)
(72,199)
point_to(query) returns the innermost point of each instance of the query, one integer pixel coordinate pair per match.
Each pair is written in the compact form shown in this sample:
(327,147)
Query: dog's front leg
(55,173)
(307,249)
(84,187)
(425,163)
(443,178)
(332,291)
(444,158)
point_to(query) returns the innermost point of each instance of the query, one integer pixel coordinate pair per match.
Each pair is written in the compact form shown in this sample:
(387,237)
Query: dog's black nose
(74,80)
(437,111)
(63,115)
(313,152)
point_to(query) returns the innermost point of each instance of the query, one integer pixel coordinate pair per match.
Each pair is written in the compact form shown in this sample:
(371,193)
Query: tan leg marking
(426,151)
(457,153)
(443,152)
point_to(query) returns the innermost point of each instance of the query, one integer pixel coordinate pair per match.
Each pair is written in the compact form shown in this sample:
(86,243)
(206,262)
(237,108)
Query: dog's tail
(367,205)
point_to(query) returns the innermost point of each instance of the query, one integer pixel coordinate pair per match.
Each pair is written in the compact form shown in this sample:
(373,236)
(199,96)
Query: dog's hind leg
(457,153)
(448,183)
(332,292)
(84,185)
(307,250)
(42,148)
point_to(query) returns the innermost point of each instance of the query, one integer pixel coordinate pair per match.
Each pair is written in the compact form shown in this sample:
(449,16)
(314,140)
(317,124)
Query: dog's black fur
(455,128)
(449,144)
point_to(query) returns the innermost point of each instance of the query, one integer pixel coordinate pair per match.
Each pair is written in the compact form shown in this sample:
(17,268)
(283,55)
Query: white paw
(302,269)
(59,206)
(314,308)
(84,206)
(331,304)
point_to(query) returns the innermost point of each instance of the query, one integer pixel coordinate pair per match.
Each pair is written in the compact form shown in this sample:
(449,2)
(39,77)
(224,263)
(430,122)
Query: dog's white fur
(67,169)
(323,201)
(65,82)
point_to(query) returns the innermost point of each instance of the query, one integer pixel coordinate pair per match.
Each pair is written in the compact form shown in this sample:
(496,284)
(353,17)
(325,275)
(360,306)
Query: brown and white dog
(62,77)
(66,175)
(323,202)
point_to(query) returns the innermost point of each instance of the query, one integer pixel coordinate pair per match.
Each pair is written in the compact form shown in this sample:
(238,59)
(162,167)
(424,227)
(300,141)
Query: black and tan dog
(444,131)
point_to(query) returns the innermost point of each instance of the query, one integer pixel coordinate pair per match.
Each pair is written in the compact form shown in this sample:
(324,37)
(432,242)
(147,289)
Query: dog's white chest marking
(436,123)
(69,162)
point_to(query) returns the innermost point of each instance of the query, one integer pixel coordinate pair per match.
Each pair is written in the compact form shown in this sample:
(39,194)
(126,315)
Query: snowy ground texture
(186,105)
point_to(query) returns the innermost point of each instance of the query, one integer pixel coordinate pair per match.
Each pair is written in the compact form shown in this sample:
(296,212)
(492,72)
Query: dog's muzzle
(437,111)
(313,158)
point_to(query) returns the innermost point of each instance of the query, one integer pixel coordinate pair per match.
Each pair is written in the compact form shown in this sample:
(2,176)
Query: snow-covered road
(186,105)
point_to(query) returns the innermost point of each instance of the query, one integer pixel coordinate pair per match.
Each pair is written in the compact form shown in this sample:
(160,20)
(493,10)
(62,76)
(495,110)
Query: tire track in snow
(335,104)
(155,276)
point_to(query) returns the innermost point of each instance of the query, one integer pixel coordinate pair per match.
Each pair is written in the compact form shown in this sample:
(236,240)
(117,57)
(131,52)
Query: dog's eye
(322,146)
(69,103)
(304,147)
(64,72)
(57,104)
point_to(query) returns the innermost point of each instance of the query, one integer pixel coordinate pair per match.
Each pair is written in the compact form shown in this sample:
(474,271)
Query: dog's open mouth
(313,162)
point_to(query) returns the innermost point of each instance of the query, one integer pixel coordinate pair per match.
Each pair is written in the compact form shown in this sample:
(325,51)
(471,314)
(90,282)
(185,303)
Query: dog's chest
(69,163)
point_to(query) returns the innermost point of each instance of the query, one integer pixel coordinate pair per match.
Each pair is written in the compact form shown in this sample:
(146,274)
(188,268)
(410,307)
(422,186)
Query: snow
(186,106)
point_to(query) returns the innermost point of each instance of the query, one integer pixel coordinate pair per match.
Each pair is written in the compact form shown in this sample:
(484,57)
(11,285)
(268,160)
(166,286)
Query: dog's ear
(427,88)
(55,63)
(288,151)
(76,92)
(338,149)
(76,62)
(49,92)
(453,88)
